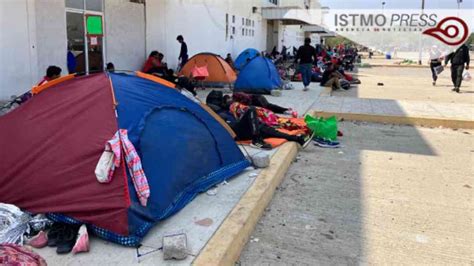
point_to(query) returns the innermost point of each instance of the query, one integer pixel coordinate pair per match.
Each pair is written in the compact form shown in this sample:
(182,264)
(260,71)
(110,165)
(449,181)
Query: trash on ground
(253,174)
(212,191)
(261,160)
(204,222)
(175,247)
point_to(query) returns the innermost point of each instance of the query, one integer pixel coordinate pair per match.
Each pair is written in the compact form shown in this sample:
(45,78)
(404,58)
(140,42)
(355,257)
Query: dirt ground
(402,83)
(390,195)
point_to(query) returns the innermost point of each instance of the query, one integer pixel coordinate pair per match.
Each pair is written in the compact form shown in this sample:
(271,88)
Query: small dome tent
(258,76)
(246,56)
(220,72)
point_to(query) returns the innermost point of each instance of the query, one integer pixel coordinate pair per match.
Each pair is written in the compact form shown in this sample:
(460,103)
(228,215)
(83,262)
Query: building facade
(39,33)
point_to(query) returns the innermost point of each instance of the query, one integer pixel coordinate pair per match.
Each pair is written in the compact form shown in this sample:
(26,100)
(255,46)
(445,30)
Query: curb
(226,244)
(400,66)
(402,120)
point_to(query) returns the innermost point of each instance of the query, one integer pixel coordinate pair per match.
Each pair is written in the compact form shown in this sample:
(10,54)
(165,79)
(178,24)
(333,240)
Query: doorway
(85,36)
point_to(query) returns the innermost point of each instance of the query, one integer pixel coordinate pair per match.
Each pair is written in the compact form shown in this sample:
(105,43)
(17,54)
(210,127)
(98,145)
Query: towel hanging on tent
(111,158)
(200,73)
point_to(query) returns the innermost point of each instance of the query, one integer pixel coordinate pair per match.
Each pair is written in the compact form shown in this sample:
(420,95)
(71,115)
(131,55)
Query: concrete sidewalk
(399,112)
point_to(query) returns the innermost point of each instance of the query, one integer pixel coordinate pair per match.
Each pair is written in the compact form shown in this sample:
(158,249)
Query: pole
(420,55)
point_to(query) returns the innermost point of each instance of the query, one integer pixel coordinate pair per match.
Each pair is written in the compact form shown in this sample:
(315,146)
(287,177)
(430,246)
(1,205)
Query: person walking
(306,55)
(435,62)
(458,59)
(183,54)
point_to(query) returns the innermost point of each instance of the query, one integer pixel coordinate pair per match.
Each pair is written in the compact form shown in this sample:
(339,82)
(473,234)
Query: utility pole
(420,55)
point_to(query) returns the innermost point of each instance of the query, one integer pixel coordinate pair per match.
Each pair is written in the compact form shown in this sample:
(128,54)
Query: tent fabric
(50,147)
(244,57)
(219,70)
(259,76)
(184,151)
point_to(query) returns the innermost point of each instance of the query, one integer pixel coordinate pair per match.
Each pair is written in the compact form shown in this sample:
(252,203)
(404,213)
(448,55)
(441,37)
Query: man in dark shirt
(458,59)
(306,55)
(183,54)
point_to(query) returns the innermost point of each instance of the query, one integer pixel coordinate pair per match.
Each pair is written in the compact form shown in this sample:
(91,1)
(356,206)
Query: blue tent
(246,56)
(258,76)
(183,149)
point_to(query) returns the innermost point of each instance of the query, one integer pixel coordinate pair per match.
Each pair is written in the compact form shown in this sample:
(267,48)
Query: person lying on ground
(261,101)
(331,78)
(53,72)
(248,127)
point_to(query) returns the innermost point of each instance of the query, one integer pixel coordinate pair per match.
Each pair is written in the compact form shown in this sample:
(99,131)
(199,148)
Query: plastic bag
(323,128)
(439,69)
(103,166)
(466,76)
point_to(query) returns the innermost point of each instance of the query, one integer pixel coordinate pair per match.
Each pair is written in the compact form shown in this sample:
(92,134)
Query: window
(233,30)
(243,32)
(91,5)
(233,18)
(275,2)
(226,26)
(253,23)
(243,21)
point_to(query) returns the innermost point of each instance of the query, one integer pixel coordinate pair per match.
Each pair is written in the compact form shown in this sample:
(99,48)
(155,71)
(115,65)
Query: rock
(212,192)
(261,160)
(175,247)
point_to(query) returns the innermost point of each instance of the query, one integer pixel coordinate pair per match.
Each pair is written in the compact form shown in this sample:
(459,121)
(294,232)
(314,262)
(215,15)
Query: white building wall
(203,26)
(15,64)
(125,34)
(51,36)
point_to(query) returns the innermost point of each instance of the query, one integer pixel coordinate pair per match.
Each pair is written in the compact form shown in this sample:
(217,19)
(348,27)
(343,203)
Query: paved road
(408,84)
(392,194)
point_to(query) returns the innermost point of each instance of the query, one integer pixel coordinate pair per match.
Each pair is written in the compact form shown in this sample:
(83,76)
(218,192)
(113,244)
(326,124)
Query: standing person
(306,55)
(458,59)
(183,53)
(229,60)
(435,62)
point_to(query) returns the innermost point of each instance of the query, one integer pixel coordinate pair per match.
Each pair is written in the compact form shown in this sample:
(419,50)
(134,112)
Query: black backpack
(215,98)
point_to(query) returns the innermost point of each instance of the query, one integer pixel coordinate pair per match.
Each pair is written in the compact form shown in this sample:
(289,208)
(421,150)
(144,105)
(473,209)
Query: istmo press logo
(401,27)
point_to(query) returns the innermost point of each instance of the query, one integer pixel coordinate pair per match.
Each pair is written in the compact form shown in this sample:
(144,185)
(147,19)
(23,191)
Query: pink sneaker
(38,241)
(82,242)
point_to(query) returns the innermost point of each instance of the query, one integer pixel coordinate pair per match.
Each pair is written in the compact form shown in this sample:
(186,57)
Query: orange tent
(219,70)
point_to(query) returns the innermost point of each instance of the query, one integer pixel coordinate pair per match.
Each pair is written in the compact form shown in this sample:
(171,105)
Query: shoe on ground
(457,90)
(40,240)
(326,143)
(54,232)
(304,140)
(434,83)
(66,239)
(305,89)
(260,144)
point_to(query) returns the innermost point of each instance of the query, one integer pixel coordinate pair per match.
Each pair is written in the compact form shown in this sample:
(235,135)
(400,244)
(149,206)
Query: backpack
(345,84)
(215,98)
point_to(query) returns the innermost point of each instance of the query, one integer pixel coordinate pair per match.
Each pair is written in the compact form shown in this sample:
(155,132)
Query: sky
(395,4)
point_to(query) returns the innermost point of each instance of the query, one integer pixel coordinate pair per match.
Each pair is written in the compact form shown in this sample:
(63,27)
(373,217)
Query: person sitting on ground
(331,77)
(152,63)
(52,72)
(187,84)
(110,67)
(229,60)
